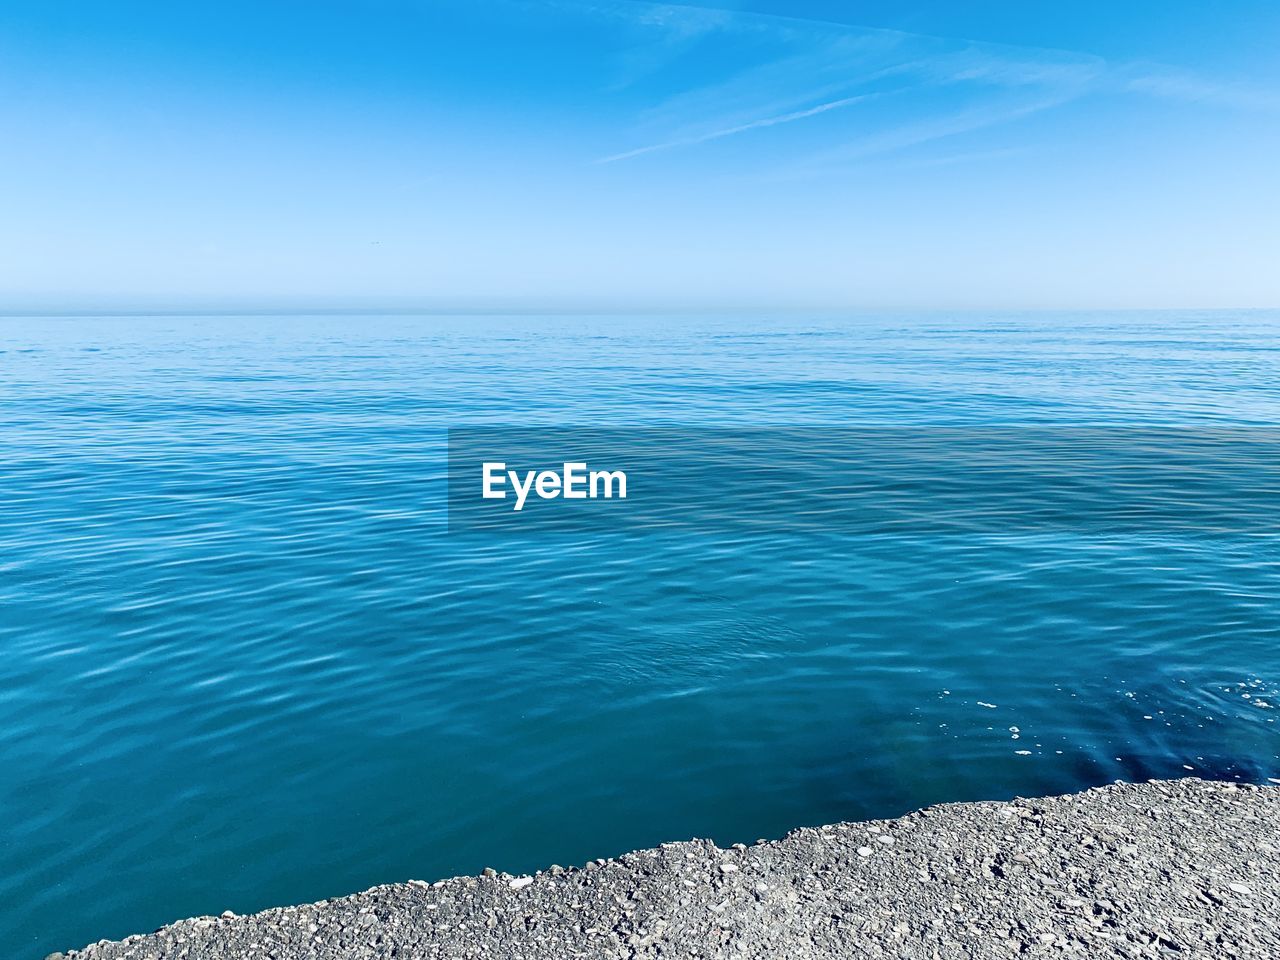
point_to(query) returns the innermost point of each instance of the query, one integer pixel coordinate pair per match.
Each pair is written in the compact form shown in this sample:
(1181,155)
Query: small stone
(519,882)
(1239,888)
(728,868)
(864,851)
(488,872)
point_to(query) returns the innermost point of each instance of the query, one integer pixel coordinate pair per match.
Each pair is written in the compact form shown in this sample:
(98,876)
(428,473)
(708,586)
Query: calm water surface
(246,664)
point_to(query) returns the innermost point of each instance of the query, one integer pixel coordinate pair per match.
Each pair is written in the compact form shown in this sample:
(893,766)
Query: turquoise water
(247,662)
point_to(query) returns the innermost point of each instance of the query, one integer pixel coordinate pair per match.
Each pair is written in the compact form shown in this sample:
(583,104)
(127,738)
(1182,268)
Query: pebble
(519,882)
(865,851)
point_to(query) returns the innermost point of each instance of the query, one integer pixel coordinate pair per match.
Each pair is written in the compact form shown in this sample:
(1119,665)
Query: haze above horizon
(618,154)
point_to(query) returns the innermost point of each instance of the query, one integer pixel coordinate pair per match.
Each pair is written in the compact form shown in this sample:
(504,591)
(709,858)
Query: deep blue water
(246,662)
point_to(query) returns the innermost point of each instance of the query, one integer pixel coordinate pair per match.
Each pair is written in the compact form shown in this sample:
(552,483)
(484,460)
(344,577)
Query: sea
(248,660)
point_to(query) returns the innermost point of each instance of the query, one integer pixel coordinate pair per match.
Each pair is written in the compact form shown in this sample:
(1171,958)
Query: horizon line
(264,309)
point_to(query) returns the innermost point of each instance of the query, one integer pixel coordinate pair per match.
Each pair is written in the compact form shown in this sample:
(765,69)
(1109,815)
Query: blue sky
(611,154)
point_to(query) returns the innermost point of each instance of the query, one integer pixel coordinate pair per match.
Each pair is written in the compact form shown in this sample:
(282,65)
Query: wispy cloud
(787,70)
(1172,84)
(671,32)
(804,69)
(741,128)
(925,131)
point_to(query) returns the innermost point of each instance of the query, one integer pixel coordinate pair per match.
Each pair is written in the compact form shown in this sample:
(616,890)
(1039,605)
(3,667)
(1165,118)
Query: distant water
(247,664)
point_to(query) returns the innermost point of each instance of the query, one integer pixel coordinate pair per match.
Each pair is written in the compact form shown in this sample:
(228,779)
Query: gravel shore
(1130,870)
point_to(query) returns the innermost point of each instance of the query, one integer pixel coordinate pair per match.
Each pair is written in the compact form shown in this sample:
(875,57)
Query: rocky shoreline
(1184,867)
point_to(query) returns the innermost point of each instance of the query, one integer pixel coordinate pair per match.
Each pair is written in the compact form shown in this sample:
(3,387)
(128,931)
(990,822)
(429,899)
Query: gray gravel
(1130,870)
